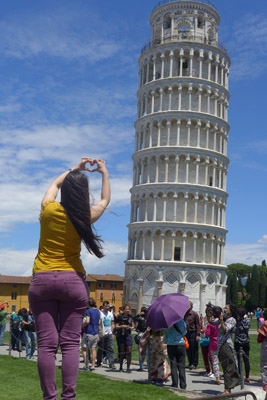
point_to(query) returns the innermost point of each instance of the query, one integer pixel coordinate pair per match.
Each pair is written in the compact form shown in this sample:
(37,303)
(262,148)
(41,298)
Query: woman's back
(60,244)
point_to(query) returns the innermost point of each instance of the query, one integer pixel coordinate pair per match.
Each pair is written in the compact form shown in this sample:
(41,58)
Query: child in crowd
(212,332)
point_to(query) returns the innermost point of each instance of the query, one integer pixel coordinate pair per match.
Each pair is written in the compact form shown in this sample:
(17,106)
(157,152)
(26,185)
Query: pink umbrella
(166,310)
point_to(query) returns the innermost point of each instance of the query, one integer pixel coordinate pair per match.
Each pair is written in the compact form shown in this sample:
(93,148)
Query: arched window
(167,22)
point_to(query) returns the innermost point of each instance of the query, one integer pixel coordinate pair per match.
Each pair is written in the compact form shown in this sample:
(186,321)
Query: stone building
(177,227)
(14,290)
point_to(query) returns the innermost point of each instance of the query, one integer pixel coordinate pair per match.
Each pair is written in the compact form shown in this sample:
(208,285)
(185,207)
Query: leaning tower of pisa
(177,228)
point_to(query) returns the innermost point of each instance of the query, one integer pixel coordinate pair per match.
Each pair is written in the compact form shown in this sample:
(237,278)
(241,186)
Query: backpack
(15,323)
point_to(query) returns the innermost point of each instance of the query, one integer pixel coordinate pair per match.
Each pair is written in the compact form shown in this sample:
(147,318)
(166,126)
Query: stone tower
(177,227)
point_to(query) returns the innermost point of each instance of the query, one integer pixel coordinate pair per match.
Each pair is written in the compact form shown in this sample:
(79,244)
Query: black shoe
(192,367)
(174,386)
(140,369)
(188,366)
(112,366)
(98,364)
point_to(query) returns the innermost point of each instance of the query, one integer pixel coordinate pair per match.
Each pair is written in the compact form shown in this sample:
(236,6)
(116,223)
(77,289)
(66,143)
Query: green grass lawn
(21,382)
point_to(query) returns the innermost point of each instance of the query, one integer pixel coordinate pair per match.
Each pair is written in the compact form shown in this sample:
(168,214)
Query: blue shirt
(174,337)
(94,315)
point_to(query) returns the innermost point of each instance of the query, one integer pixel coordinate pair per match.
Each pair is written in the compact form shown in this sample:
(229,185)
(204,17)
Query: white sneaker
(211,375)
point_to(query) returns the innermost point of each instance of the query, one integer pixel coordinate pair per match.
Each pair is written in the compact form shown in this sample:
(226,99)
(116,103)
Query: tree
(262,290)
(263,263)
(253,287)
(232,288)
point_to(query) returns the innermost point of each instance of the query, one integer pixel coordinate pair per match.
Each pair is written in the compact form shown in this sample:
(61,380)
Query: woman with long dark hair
(58,294)
(226,353)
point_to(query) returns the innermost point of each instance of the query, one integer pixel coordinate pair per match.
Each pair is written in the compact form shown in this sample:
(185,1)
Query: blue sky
(69,78)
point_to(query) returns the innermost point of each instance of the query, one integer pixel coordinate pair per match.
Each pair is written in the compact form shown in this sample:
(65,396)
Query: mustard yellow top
(60,244)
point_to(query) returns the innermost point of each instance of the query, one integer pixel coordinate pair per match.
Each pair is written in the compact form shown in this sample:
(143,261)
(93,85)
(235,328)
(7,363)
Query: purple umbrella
(166,310)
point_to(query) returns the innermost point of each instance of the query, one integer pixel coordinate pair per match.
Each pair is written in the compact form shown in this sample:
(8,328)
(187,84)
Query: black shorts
(125,340)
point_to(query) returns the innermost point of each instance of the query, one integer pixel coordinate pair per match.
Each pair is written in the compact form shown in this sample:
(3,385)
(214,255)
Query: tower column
(140,294)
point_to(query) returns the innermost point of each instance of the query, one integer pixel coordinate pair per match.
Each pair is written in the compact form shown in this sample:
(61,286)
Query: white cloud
(17,262)
(263,240)
(31,158)
(52,33)
(20,262)
(246,253)
(21,204)
(112,263)
(247,46)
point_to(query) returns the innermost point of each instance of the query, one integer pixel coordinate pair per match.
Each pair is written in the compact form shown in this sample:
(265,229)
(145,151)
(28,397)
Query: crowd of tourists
(220,335)
(22,330)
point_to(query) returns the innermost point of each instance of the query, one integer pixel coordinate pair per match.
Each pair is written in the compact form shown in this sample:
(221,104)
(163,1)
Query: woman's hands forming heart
(100,164)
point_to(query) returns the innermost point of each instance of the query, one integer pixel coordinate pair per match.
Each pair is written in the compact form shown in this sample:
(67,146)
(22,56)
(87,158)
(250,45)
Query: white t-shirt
(107,321)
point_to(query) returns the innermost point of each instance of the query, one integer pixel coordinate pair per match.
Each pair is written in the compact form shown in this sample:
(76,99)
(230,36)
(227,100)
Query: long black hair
(75,200)
(233,310)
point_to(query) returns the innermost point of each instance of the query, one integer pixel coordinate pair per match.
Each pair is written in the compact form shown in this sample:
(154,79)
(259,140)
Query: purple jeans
(58,301)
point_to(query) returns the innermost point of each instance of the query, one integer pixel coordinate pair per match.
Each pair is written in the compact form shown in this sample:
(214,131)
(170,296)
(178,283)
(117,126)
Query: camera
(225,313)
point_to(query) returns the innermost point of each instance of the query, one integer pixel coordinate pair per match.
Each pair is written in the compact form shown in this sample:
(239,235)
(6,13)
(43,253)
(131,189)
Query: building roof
(89,278)
(104,277)
(15,279)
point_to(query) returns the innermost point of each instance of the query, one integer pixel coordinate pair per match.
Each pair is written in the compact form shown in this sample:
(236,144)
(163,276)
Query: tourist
(193,335)
(106,343)
(262,338)
(3,321)
(159,369)
(125,325)
(30,335)
(212,333)
(204,342)
(91,330)
(242,340)
(140,327)
(258,315)
(227,355)
(116,332)
(16,330)
(173,337)
(58,293)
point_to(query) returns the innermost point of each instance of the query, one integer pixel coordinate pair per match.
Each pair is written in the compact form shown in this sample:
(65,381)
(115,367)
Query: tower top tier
(184,21)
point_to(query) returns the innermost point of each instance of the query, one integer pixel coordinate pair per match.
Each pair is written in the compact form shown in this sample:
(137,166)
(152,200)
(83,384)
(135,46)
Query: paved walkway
(197,384)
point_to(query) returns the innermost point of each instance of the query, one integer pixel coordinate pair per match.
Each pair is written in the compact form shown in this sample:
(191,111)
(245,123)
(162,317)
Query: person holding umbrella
(167,313)
(173,337)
